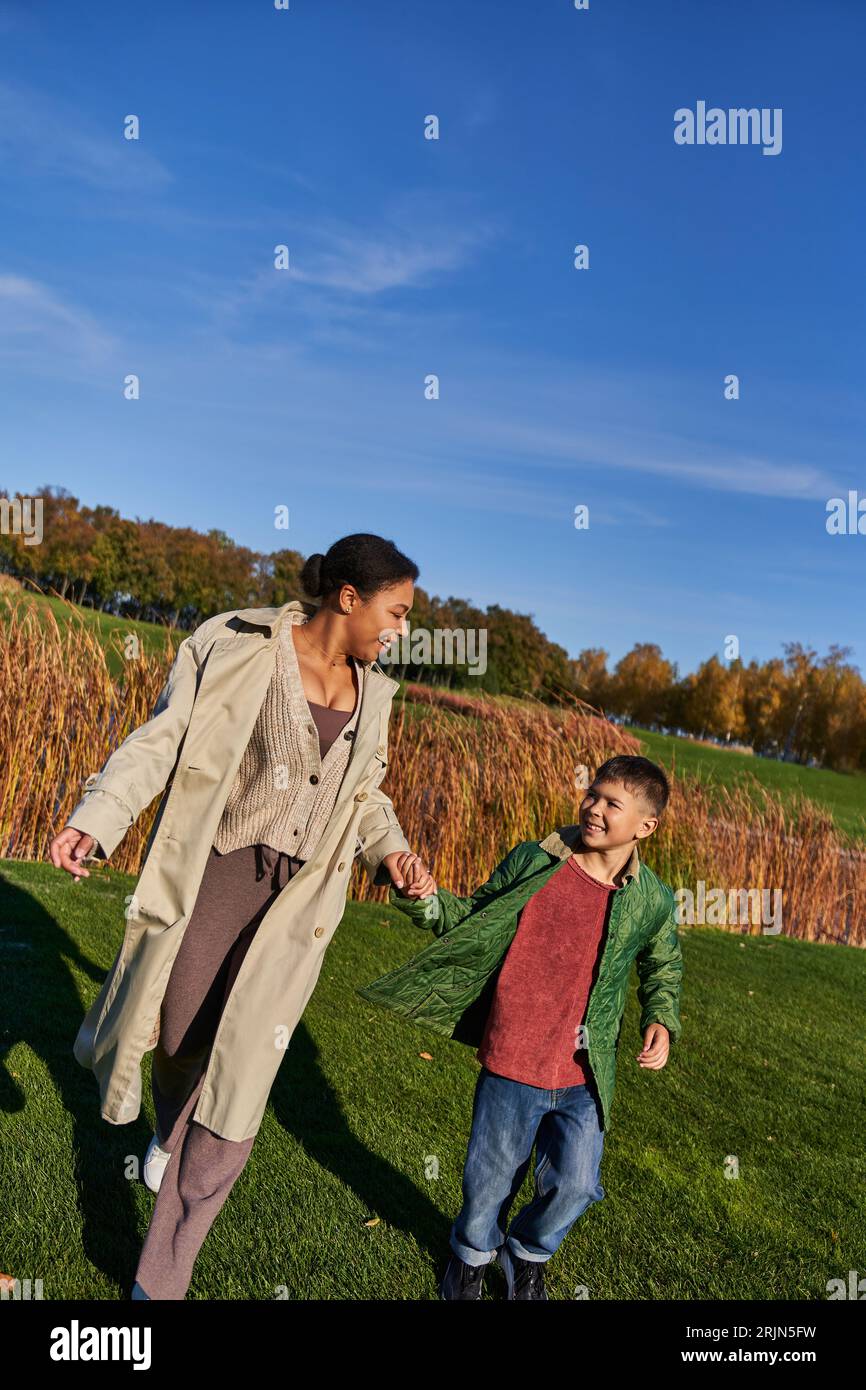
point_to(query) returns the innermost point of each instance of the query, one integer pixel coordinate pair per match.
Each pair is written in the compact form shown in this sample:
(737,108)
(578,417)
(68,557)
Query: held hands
(410,876)
(656,1046)
(69,848)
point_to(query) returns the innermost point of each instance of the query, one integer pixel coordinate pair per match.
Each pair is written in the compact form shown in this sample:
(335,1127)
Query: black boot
(525,1278)
(461,1280)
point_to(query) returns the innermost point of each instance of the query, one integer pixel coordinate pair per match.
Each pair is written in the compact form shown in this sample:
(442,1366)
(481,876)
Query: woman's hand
(420,881)
(68,849)
(410,875)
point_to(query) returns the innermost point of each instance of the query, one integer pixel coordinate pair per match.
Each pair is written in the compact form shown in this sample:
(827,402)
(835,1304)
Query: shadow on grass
(42,1009)
(307,1107)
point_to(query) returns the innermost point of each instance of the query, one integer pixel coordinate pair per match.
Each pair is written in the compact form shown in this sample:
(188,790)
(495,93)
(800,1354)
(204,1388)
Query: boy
(533,970)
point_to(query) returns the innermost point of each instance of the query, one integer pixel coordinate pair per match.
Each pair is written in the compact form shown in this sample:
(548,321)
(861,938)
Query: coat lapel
(245,676)
(562,843)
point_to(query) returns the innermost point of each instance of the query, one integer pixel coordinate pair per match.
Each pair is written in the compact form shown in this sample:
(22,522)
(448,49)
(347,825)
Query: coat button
(380,751)
(350,733)
(362,796)
(314,779)
(320,931)
(340,868)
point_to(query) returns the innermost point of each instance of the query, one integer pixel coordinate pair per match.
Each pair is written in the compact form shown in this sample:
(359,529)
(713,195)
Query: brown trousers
(235,893)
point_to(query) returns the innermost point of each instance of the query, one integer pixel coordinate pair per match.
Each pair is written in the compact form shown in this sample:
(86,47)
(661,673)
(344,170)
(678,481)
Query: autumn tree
(641,685)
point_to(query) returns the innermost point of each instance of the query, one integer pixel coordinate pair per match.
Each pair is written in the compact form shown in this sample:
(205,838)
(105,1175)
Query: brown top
(284,792)
(329,724)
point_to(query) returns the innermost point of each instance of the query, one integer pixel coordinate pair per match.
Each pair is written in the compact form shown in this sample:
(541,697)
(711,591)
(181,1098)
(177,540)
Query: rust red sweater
(545,980)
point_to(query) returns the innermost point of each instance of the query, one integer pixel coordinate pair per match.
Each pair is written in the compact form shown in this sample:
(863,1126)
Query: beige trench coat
(191,749)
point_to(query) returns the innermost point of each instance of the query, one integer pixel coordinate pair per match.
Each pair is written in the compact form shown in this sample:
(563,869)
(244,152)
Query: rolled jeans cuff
(470,1256)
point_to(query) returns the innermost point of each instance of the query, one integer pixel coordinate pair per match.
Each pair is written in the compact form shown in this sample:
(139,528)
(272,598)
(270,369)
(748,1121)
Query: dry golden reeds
(469,776)
(62,714)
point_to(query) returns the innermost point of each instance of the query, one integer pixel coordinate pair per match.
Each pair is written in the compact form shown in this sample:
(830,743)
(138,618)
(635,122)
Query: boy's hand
(410,875)
(656,1046)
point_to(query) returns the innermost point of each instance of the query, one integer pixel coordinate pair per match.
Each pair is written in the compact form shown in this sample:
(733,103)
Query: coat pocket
(422,1003)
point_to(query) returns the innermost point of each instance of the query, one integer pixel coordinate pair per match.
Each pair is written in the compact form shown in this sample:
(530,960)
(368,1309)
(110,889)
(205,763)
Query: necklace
(321,649)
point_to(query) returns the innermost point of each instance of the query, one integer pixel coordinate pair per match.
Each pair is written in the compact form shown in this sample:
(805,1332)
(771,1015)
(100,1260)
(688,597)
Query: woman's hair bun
(311,575)
(368,562)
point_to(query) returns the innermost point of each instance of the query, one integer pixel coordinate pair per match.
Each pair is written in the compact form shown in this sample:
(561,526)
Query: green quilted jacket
(448,987)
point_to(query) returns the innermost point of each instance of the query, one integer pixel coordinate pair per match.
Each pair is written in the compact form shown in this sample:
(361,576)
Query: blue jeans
(507,1118)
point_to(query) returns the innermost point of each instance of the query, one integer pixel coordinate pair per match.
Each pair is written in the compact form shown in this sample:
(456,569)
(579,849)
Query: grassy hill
(109,629)
(843,794)
(769,1071)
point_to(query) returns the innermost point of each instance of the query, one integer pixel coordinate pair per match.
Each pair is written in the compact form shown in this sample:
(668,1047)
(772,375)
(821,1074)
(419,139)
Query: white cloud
(43,135)
(367,265)
(37,327)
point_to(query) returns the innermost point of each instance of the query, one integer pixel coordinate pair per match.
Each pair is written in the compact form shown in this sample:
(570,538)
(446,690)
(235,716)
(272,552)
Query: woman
(271,735)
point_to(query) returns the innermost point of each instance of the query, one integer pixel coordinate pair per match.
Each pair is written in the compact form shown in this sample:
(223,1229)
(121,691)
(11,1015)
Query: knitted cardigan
(284,791)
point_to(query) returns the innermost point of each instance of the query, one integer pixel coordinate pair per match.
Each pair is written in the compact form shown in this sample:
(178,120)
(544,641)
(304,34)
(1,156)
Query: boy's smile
(592,828)
(611,818)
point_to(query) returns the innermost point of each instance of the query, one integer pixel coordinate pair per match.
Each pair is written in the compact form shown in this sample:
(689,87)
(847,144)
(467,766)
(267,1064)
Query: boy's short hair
(639,776)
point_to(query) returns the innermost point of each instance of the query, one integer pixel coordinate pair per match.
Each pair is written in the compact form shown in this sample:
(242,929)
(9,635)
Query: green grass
(110,630)
(769,1070)
(842,794)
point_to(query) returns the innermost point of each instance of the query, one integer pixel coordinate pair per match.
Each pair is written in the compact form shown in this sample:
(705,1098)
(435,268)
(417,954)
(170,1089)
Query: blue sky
(409,256)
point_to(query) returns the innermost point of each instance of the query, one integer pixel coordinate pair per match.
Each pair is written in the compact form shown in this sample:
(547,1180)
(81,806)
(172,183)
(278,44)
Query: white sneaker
(154,1165)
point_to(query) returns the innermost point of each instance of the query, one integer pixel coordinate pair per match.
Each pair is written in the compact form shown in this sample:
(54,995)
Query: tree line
(800,706)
